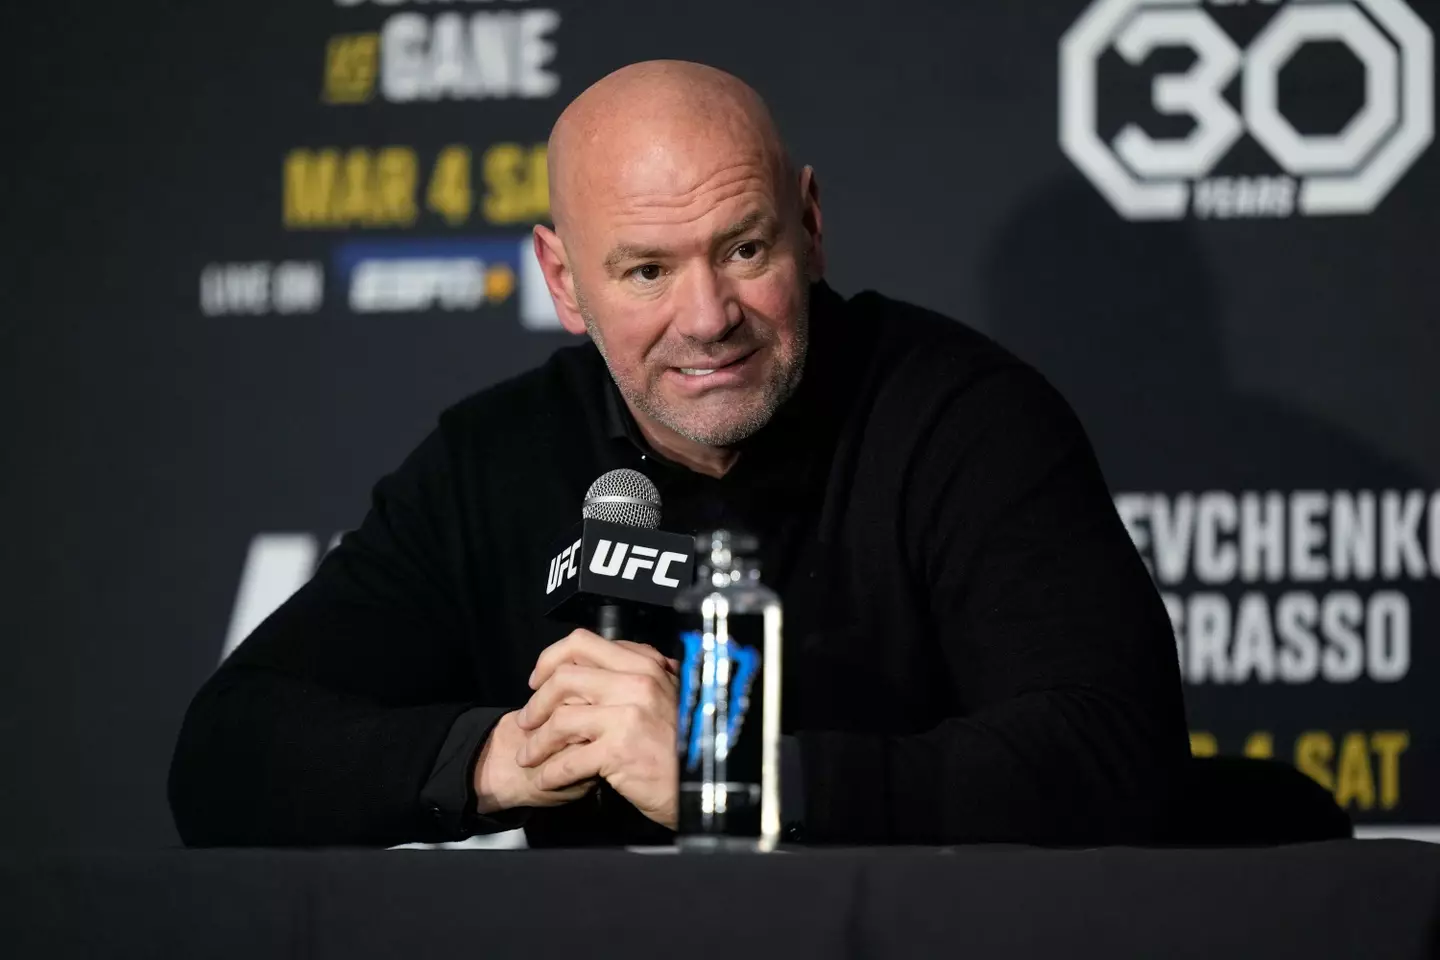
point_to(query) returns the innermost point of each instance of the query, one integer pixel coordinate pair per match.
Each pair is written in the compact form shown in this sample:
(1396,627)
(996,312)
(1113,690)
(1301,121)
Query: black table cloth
(1371,899)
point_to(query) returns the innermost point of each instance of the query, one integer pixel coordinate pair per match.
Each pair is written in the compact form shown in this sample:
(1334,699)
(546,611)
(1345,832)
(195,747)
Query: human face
(697,297)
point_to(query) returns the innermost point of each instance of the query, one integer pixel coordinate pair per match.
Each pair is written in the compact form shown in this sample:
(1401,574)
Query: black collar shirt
(973,649)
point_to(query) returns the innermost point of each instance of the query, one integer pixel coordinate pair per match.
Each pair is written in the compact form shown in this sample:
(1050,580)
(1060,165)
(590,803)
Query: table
(1352,898)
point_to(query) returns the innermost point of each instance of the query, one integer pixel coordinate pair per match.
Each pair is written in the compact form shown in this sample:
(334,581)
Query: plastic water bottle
(729,723)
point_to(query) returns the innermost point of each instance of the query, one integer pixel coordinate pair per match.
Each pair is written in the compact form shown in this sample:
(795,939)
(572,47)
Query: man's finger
(577,646)
(576,763)
(569,683)
(592,650)
(567,724)
(645,650)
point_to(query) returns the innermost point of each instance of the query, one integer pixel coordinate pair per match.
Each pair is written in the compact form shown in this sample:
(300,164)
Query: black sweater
(973,649)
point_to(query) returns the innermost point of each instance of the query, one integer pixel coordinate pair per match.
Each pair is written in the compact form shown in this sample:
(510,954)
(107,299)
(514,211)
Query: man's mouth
(712,368)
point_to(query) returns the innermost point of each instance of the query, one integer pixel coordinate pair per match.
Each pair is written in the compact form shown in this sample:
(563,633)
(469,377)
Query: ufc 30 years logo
(1346,172)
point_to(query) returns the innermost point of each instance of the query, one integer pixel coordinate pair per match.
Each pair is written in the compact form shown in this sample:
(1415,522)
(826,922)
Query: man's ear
(813,224)
(554,264)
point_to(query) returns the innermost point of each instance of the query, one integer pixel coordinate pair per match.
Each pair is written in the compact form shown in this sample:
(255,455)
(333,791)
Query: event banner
(1212,225)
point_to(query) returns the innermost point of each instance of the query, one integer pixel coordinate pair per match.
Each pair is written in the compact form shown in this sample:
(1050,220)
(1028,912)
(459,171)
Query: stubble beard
(778,387)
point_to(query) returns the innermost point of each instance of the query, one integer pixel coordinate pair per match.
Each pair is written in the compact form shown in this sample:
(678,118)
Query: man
(973,649)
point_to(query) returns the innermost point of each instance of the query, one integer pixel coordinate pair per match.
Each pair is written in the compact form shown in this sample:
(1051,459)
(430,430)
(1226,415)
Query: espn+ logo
(1346,172)
(609,560)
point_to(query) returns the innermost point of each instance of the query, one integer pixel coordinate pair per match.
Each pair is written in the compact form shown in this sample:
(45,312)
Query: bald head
(684,245)
(658,121)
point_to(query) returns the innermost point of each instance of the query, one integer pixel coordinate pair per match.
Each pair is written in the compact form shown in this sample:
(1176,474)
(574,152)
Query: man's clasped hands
(601,710)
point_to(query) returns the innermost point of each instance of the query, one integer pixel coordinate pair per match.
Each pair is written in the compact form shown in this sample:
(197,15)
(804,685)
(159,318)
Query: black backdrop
(255,247)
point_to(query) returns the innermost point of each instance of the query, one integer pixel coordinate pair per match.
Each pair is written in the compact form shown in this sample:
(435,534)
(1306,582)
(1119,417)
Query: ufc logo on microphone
(562,568)
(609,559)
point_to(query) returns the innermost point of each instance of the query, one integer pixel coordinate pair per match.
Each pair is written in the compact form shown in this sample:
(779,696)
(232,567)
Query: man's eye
(649,272)
(748,250)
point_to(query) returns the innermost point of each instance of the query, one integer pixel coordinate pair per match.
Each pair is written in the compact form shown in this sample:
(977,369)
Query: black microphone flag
(600,562)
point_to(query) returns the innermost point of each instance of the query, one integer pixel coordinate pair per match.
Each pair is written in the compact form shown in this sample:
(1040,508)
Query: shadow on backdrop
(1124,318)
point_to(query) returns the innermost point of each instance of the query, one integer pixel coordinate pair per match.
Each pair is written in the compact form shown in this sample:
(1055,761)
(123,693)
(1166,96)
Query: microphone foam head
(623,496)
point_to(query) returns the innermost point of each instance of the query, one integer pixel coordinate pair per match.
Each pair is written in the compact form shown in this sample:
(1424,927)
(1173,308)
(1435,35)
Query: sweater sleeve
(327,724)
(1068,726)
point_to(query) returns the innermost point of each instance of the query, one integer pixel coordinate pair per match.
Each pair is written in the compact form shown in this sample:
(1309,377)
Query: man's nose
(708,310)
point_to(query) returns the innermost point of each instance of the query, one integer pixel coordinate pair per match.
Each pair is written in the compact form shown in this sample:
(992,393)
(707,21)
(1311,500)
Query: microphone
(616,559)
(627,497)
(623,496)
